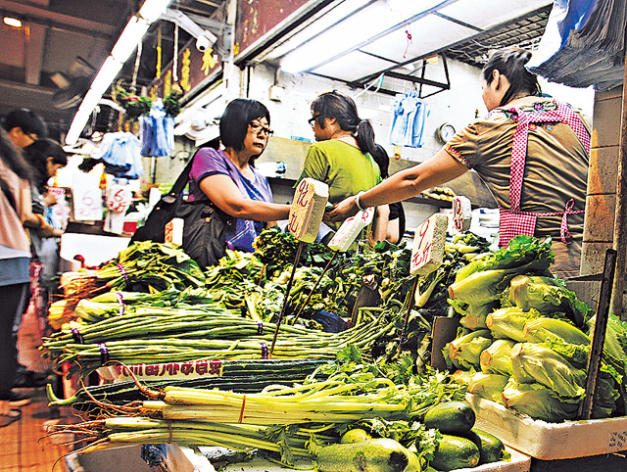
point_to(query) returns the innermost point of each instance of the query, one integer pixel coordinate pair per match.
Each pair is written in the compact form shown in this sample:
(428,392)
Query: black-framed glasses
(259,128)
(312,119)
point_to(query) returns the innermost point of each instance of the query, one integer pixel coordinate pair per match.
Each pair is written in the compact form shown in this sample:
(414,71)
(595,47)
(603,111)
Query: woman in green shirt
(345,154)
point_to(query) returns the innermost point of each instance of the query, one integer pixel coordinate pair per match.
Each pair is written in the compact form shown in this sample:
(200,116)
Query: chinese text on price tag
(428,250)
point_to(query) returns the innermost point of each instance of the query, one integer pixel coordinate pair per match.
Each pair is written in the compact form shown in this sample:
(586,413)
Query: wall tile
(599,218)
(606,121)
(603,170)
(593,257)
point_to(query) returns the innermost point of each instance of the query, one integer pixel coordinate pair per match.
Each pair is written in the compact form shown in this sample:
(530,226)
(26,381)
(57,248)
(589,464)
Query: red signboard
(256,18)
(193,68)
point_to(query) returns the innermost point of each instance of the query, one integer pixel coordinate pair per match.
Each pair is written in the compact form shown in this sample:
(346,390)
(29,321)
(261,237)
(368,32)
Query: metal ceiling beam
(33,12)
(418,80)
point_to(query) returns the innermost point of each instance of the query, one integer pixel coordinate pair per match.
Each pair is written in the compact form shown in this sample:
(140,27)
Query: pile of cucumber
(462,445)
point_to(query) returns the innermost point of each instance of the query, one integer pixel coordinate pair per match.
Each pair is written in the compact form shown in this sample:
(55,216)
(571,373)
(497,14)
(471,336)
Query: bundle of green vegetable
(344,404)
(509,293)
(244,376)
(142,267)
(188,335)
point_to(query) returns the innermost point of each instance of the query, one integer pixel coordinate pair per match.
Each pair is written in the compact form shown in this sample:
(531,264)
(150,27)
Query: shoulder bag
(205,226)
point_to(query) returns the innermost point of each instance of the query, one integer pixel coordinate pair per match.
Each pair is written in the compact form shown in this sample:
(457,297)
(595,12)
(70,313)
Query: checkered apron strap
(513,221)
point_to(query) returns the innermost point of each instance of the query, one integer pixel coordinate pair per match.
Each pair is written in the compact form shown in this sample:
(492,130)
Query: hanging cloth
(120,154)
(157,135)
(514,221)
(410,114)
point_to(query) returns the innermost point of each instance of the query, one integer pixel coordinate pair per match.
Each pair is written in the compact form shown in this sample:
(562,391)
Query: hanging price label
(350,229)
(119,198)
(428,250)
(87,203)
(462,214)
(307,209)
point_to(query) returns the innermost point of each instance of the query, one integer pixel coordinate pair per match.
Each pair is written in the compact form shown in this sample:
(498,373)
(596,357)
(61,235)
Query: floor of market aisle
(23,447)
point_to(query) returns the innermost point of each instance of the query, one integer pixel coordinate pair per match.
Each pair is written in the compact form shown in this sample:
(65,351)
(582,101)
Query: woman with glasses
(345,154)
(228,178)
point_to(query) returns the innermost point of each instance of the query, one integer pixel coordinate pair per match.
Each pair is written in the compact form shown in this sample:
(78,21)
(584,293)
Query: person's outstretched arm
(222,191)
(403,185)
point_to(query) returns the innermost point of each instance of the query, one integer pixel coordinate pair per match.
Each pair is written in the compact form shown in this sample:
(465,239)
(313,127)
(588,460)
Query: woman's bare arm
(223,192)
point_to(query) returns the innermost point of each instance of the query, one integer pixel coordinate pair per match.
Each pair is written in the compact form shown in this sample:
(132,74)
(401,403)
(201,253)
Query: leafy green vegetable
(521,250)
(496,359)
(465,350)
(539,402)
(536,363)
(488,386)
(509,323)
(547,295)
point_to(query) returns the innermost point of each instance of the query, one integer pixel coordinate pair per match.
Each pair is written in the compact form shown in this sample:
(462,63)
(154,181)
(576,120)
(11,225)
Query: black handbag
(204,229)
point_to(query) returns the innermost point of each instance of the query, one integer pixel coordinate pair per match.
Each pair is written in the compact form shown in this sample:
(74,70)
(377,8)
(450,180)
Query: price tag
(119,198)
(350,229)
(87,203)
(462,214)
(428,250)
(307,209)
(174,231)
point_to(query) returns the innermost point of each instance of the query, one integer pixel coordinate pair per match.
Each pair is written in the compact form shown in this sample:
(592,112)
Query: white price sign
(428,250)
(307,209)
(119,198)
(462,214)
(350,229)
(87,203)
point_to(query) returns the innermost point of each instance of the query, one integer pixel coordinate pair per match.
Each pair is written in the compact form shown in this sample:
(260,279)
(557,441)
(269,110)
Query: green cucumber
(490,447)
(455,452)
(355,435)
(450,417)
(373,455)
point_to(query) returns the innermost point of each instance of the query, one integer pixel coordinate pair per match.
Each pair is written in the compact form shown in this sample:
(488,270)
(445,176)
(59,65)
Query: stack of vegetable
(141,267)
(522,337)
(181,335)
(346,416)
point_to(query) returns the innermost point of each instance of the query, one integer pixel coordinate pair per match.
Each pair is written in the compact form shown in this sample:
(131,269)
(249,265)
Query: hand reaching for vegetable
(345,209)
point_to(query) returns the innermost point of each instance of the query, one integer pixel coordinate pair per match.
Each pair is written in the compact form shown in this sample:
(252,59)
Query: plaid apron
(514,221)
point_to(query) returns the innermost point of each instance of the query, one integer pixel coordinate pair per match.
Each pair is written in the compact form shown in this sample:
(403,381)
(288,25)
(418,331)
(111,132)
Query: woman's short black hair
(38,153)
(28,121)
(235,119)
(511,63)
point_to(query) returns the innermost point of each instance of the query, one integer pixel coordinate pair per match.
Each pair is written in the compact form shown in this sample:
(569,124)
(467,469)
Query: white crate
(550,441)
(518,463)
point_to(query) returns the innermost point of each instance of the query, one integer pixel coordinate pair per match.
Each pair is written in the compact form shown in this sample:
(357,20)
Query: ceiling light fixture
(132,34)
(12,22)
(356,27)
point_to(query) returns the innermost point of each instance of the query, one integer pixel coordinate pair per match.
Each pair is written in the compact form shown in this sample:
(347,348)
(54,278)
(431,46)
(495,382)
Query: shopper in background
(14,268)
(24,127)
(345,154)
(391,218)
(532,152)
(228,178)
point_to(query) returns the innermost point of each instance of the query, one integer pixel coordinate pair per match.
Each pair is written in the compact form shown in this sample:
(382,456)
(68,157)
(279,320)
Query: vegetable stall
(188,353)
